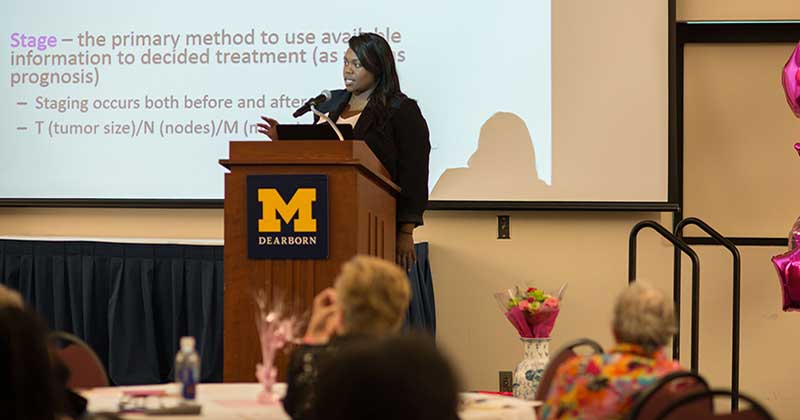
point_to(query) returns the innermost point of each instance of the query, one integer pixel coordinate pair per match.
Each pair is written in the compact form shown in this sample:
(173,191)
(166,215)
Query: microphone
(322,97)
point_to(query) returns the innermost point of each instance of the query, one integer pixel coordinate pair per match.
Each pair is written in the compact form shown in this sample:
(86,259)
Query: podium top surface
(308,153)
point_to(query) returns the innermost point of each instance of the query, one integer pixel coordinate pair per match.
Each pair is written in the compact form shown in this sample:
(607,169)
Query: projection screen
(526,101)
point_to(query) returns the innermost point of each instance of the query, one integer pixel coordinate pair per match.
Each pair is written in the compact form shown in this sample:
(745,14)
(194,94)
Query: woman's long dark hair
(28,389)
(396,378)
(376,57)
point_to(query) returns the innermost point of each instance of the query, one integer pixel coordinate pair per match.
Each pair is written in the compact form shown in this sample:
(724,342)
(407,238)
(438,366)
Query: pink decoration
(788,264)
(274,332)
(517,318)
(533,313)
(543,322)
(788,267)
(791,81)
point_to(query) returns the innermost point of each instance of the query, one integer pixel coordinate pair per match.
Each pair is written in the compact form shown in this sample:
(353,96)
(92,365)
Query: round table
(238,401)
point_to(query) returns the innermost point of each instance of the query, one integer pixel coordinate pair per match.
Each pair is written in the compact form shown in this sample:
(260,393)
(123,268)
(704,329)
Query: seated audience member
(604,386)
(395,378)
(369,299)
(74,405)
(28,386)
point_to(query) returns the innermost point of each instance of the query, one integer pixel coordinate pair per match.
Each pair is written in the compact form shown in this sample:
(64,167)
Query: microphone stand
(328,120)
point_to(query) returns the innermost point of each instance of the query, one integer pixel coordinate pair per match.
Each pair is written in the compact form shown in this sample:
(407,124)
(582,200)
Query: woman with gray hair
(604,386)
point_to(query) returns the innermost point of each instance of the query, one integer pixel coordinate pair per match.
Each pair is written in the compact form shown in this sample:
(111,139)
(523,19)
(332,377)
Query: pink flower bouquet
(531,311)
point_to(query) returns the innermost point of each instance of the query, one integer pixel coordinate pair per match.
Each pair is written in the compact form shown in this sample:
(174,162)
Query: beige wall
(194,224)
(587,250)
(739,136)
(739,174)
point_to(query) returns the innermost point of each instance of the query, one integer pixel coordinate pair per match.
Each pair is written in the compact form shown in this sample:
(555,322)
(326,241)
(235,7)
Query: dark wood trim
(738,32)
(741,241)
(674,105)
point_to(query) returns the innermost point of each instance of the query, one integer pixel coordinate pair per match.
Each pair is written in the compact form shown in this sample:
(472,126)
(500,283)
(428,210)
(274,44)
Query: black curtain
(132,302)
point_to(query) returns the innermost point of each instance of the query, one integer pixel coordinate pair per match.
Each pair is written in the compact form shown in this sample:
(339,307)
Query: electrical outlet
(505,381)
(504,227)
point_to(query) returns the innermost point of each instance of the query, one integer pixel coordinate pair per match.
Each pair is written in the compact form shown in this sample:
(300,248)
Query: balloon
(788,267)
(791,81)
(788,264)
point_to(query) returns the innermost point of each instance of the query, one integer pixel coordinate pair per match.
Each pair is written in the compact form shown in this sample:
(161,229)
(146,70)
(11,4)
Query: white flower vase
(530,370)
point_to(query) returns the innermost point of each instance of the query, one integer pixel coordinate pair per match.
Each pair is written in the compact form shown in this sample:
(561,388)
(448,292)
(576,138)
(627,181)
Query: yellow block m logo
(300,205)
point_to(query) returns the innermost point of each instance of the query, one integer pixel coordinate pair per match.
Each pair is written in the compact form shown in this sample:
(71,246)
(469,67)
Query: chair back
(663,392)
(85,368)
(700,406)
(567,352)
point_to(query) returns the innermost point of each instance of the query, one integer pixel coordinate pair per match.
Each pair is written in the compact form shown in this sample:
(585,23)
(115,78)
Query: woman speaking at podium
(389,122)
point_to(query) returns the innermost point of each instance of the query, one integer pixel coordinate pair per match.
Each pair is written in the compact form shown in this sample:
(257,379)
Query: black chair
(700,406)
(665,391)
(567,352)
(85,368)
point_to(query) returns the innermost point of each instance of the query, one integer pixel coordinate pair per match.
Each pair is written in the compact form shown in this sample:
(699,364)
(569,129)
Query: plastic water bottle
(187,369)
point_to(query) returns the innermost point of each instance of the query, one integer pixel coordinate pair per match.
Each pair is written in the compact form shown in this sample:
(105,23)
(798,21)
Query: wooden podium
(361,212)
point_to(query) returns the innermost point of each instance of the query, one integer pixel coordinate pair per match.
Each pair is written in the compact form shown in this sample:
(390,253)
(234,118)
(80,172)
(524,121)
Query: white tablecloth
(238,401)
(219,401)
(492,407)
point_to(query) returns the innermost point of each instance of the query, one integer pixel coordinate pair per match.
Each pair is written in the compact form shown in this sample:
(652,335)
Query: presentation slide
(138,100)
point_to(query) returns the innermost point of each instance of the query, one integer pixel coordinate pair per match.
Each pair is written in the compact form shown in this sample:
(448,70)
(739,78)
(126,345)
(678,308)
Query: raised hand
(325,318)
(268,127)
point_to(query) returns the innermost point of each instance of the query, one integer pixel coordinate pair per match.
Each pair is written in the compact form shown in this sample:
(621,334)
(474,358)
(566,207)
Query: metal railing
(681,246)
(736,284)
(676,287)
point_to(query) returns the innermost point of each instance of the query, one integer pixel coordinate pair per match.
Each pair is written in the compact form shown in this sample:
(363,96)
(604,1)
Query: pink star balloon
(788,266)
(791,81)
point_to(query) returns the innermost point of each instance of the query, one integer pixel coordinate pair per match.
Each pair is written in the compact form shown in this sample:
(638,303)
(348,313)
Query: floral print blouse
(604,386)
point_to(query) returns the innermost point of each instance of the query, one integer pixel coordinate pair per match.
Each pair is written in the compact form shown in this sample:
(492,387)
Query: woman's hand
(325,318)
(268,127)
(406,257)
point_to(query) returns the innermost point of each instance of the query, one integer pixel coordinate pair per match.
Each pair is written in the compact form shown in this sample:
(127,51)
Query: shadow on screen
(502,168)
